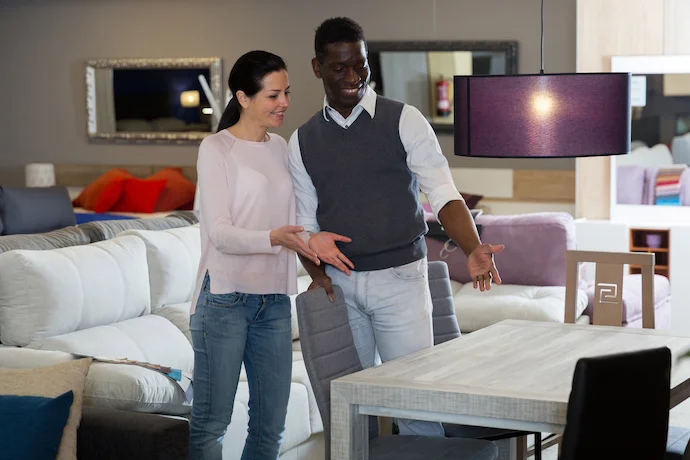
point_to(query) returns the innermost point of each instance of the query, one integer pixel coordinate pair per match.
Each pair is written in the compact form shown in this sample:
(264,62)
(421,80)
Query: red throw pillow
(139,195)
(178,191)
(88,197)
(110,195)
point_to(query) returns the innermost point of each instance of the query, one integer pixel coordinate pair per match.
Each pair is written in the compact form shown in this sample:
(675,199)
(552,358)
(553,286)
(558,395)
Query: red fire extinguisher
(442,97)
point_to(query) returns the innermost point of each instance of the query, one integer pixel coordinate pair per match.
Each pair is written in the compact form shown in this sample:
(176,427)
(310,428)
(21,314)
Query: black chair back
(619,407)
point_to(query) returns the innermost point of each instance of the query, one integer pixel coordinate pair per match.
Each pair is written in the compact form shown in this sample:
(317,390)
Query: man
(357,166)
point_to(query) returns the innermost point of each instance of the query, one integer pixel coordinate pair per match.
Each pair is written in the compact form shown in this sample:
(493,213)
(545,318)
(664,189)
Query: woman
(247,267)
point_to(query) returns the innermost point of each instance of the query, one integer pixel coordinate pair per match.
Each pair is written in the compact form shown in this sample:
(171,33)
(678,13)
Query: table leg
(349,429)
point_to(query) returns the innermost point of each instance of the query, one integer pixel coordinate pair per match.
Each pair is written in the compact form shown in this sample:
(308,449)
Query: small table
(514,375)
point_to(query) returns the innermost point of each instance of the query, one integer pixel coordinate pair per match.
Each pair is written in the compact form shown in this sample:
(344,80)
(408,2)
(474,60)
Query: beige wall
(608,28)
(43,46)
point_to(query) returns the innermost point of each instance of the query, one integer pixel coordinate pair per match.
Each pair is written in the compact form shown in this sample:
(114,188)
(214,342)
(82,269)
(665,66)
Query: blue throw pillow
(31,426)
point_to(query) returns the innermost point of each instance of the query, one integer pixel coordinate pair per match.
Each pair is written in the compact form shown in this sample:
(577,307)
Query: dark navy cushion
(31,426)
(35,210)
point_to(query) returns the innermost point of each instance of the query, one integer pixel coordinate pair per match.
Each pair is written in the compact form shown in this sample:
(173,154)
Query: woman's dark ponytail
(247,75)
(231,115)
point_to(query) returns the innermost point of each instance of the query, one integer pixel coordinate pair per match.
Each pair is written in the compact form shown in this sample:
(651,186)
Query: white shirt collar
(368,103)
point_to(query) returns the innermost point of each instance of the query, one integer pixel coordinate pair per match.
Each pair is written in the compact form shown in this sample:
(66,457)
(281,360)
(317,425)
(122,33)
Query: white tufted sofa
(129,297)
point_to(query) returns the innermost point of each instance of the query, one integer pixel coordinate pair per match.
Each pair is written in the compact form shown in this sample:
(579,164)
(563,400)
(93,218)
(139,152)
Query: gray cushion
(190,216)
(62,238)
(35,210)
(445,322)
(106,229)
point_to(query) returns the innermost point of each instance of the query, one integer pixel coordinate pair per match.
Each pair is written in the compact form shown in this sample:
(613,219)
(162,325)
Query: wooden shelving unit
(640,242)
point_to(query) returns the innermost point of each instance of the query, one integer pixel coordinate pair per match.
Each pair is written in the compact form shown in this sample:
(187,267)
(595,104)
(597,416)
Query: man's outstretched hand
(481,267)
(326,283)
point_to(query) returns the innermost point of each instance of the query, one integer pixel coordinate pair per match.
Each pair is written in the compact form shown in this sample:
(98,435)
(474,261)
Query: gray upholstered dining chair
(446,328)
(329,352)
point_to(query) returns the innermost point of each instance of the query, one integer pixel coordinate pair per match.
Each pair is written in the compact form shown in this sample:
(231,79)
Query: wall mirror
(653,181)
(161,101)
(420,73)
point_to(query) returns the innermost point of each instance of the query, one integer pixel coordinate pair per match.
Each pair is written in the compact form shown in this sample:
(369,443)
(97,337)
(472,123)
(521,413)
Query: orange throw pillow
(178,192)
(139,195)
(88,197)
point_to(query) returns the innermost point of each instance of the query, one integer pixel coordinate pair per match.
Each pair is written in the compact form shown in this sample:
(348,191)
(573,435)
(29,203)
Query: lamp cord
(541,71)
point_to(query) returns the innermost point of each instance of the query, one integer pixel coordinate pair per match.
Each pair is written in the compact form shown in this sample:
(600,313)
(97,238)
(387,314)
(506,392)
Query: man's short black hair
(336,30)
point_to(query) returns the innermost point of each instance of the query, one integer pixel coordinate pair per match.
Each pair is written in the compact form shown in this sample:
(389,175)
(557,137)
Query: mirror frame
(148,137)
(665,215)
(510,47)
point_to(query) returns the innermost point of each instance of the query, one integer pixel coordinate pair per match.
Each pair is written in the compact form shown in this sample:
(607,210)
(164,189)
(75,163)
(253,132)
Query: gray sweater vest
(365,189)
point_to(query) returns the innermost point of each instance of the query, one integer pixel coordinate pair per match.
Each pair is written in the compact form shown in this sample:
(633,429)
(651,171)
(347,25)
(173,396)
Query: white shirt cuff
(441,196)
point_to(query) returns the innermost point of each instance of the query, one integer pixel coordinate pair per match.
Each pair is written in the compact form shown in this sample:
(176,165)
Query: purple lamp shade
(550,115)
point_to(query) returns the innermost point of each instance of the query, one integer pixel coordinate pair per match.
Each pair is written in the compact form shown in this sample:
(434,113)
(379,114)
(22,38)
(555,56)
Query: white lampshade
(189,98)
(40,175)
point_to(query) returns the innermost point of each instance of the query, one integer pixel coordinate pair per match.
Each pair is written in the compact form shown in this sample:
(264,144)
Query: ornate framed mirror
(161,100)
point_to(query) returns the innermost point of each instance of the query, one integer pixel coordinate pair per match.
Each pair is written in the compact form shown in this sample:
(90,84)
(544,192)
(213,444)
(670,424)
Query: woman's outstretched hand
(323,243)
(288,236)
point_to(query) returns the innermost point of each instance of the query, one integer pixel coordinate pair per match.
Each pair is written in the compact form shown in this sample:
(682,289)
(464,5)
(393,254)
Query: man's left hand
(481,267)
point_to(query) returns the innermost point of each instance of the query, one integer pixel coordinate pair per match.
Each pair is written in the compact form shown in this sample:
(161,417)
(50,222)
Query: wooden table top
(517,370)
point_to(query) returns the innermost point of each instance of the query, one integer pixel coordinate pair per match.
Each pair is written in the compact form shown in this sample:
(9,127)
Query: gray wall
(44,43)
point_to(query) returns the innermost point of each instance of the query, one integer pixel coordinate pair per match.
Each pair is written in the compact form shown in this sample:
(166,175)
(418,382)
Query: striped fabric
(668,185)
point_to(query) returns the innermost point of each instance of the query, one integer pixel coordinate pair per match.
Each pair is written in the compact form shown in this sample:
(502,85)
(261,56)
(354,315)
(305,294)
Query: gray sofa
(92,232)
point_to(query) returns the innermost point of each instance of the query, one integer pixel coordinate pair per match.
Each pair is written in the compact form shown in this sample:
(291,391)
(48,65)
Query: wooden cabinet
(656,241)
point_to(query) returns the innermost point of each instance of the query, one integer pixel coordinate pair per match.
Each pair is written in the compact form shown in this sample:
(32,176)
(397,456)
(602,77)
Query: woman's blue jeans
(228,330)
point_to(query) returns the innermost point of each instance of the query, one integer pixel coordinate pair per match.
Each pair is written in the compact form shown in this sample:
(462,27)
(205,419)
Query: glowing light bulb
(542,104)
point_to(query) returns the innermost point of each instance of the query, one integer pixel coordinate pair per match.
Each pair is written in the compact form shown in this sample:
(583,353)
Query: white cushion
(117,386)
(178,314)
(150,338)
(173,261)
(476,310)
(303,283)
(57,291)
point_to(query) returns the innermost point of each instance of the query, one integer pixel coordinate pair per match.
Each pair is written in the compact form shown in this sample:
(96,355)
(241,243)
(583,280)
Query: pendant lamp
(542,115)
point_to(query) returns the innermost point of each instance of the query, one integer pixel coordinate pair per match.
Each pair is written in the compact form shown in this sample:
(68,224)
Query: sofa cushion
(476,310)
(53,292)
(173,260)
(61,238)
(533,241)
(35,210)
(52,381)
(107,229)
(118,386)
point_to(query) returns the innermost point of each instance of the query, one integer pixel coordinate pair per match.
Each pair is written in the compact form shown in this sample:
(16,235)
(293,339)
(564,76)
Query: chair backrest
(619,407)
(328,347)
(608,291)
(445,322)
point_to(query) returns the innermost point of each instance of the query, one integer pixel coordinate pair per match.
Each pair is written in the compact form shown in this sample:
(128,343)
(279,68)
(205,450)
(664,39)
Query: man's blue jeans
(227,330)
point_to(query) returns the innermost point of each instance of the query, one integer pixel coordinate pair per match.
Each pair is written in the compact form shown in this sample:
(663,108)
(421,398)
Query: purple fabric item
(565,115)
(630,184)
(632,296)
(662,316)
(535,248)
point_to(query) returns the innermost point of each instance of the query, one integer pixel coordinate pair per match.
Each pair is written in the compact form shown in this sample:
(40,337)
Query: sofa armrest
(112,434)
(535,248)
